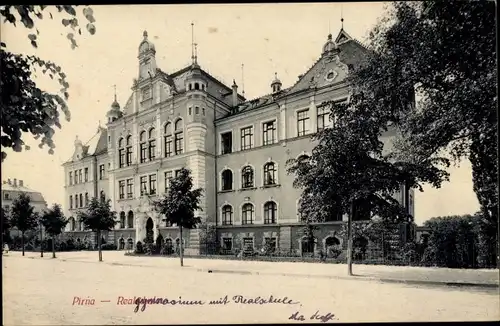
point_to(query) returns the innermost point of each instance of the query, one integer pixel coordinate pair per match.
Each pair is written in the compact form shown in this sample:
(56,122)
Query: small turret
(114,113)
(276,84)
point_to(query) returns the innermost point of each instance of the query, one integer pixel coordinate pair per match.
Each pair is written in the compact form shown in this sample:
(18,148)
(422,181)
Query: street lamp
(41,238)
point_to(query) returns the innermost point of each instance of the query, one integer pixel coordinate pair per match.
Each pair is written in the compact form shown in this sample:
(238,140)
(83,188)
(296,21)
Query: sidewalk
(394,274)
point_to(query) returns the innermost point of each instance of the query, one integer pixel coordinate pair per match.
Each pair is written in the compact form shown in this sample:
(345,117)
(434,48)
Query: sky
(266,38)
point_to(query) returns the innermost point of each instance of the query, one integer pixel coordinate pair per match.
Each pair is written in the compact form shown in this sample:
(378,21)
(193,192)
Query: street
(76,289)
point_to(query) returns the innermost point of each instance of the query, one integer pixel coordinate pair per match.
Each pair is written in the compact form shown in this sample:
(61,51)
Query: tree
(54,222)
(23,216)
(180,203)
(444,51)
(25,107)
(98,217)
(5,225)
(349,172)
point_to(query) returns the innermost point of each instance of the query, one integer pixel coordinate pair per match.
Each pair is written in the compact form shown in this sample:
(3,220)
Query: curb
(357,278)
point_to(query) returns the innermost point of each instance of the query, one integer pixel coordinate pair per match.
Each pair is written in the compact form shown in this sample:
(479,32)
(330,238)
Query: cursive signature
(316,316)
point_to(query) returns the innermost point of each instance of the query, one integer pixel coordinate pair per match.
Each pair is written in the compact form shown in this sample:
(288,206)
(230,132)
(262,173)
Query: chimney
(15,182)
(235,93)
(20,183)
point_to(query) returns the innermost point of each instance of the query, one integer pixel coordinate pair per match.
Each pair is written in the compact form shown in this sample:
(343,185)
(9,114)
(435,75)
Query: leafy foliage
(6,225)
(25,107)
(349,164)
(181,201)
(23,216)
(53,220)
(446,52)
(98,216)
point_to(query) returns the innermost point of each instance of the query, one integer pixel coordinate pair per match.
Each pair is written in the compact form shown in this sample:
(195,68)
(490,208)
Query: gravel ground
(54,291)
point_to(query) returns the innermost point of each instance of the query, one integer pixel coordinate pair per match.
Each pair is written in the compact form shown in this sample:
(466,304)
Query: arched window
(121,153)
(72,224)
(270,212)
(152,144)
(130,220)
(167,135)
(247,214)
(86,199)
(143,147)
(269,174)
(129,150)
(227,215)
(247,180)
(179,137)
(227,180)
(196,86)
(81,200)
(122,220)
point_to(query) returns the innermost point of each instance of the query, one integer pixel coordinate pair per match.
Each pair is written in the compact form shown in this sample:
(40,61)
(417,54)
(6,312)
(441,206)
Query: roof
(98,144)
(35,196)
(352,54)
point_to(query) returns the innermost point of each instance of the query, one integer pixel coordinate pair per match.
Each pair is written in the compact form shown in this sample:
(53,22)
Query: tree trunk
(349,239)
(41,241)
(22,241)
(181,254)
(99,244)
(53,247)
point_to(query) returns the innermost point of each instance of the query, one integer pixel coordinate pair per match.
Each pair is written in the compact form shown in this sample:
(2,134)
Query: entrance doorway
(149,231)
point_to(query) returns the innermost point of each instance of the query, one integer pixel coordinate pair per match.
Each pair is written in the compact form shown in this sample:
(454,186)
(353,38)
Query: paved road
(42,291)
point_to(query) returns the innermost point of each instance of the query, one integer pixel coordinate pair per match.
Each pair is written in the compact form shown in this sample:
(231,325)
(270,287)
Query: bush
(109,246)
(139,248)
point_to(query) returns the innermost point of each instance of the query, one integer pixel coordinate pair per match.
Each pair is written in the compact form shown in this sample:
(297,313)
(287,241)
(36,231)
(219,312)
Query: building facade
(235,148)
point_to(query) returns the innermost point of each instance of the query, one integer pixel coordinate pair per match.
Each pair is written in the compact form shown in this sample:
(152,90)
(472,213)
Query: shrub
(109,246)
(139,248)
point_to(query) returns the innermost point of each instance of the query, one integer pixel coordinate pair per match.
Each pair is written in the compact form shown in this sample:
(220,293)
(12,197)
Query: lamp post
(41,238)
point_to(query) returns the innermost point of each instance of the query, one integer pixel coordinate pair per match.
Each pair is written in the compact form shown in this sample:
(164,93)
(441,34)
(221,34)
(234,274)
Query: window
(247,177)
(323,118)
(227,245)
(80,176)
(152,144)
(76,177)
(270,243)
(86,176)
(143,148)
(144,185)
(121,153)
(302,122)
(168,176)
(269,174)
(270,211)
(189,110)
(152,184)
(102,196)
(70,178)
(179,148)
(246,138)
(86,199)
(70,202)
(227,215)
(121,189)
(122,220)
(129,150)
(247,214)
(203,111)
(101,171)
(168,140)
(81,200)
(196,86)
(197,110)
(269,133)
(130,188)
(226,143)
(130,220)
(248,244)
(76,201)
(177,173)
(227,180)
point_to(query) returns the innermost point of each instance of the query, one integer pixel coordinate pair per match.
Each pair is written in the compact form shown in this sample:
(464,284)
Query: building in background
(11,189)
(235,148)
